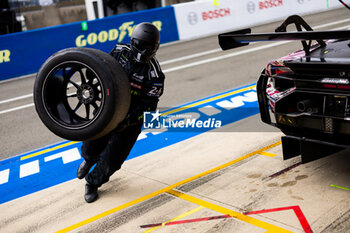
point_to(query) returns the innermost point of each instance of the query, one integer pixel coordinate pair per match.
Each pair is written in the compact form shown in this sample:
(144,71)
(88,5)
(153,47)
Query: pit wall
(23,53)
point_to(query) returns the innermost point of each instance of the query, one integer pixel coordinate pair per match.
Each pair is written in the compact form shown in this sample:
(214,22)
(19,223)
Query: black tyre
(81,94)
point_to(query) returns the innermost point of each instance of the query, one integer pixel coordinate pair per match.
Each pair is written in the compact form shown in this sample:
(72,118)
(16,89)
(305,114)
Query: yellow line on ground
(148,196)
(47,150)
(267,154)
(264,225)
(208,100)
(174,219)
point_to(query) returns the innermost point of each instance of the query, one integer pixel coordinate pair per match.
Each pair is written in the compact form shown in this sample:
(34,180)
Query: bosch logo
(251,7)
(216,14)
(300,1)
(270,4)
(192,18)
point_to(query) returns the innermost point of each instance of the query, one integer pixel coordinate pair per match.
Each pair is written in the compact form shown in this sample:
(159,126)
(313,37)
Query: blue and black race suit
(110,152)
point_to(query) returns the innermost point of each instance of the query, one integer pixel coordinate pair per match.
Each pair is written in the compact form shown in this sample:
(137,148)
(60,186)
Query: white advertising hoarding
(208,17)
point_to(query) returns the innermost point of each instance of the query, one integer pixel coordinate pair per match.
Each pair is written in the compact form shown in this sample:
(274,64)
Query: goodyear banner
(23,53)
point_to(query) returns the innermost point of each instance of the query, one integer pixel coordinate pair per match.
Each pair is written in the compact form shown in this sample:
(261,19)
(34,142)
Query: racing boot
(90,193)
(84,169)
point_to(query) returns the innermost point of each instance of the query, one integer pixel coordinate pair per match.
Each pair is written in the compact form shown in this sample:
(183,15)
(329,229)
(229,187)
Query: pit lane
(238,188)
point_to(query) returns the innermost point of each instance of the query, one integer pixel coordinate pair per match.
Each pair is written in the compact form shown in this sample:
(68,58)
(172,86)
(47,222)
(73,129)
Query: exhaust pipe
(306,106)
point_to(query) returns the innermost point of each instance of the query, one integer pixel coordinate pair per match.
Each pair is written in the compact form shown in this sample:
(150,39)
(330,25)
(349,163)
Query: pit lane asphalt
(62,206)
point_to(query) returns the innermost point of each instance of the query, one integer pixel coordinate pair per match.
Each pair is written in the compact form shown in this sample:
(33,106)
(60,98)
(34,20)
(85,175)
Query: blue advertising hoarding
(23,53)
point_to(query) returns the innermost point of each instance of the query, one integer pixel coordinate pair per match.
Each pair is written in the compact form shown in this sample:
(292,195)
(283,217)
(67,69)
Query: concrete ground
(211,175)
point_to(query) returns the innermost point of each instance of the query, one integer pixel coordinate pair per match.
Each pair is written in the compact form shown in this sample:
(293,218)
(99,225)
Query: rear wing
(346,5)
(243,37)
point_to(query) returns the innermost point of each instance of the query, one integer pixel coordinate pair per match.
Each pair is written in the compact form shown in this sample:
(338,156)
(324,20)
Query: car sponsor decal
(41,169)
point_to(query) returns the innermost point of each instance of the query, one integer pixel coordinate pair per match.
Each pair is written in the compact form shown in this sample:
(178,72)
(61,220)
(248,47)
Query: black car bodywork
(305,94)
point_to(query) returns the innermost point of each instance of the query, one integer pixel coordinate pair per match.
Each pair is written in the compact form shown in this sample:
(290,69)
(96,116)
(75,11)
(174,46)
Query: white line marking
(29,169)
(331,24)
(189,56)
(218,50)
(16,98)
(209,110)
(142,135)
(214,59)
(198,62)
(18,78)
(238,101)
(161,131)
(4,176)
(67,156)
(17,108)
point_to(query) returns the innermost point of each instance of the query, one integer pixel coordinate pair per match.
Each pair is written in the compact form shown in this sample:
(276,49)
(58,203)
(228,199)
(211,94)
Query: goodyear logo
(113,34)
(5,55)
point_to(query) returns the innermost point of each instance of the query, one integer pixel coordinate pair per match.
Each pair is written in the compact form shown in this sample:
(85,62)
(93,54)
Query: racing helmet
(144,42)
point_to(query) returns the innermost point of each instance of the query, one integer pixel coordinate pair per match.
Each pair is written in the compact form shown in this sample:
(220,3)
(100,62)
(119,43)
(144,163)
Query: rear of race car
(305,94)
(309,95)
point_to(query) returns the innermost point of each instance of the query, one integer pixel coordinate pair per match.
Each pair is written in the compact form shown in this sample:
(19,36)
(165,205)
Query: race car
(305,94)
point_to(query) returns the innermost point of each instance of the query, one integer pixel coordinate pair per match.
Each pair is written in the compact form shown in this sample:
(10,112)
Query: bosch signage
(192,18)
(270,4)
(203,18)
(214,14)
(251,7)
(262,5)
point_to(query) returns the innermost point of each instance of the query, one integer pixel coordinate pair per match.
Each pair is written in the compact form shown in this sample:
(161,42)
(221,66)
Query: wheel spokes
(70,73)
(81,94)
(87,109)
(78,106)
(72,95)
(82,77)
(90,76)
(77,86)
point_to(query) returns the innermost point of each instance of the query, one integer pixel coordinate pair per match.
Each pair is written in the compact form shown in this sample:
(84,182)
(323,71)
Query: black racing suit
(109,152)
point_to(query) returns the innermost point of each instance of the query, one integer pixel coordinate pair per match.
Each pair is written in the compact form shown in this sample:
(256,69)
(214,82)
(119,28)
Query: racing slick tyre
(81,93)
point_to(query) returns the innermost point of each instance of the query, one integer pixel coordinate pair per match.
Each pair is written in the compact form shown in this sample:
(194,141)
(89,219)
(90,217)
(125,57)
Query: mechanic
(146,83)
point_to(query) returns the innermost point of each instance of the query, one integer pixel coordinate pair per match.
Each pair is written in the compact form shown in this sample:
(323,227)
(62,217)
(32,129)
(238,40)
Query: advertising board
(23,53)
(207,17)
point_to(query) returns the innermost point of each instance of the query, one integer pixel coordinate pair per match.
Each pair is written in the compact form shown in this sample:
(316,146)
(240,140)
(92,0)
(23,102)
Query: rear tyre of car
(81,93)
